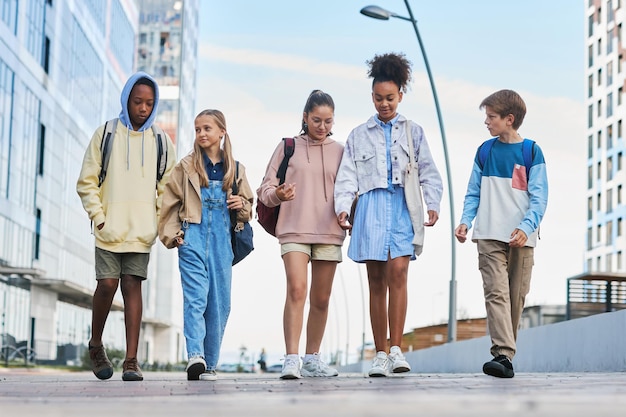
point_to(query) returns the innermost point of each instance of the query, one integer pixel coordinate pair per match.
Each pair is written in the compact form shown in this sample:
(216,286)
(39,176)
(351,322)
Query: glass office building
(605,70)
(63,64)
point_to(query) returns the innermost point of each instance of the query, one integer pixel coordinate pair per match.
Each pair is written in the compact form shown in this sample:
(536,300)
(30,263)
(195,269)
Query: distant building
(605,48)
(63,64)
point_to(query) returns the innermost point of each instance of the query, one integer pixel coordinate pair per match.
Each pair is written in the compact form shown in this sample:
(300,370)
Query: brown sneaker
(100,363)
(131,370)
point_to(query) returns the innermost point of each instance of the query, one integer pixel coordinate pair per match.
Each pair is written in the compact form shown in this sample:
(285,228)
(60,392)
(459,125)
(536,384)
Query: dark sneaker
(131,370)
(100,363)
(500,367)
(195,367)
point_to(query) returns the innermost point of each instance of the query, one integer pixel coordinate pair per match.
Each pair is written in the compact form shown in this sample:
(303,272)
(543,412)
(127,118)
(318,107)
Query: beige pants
(506,276)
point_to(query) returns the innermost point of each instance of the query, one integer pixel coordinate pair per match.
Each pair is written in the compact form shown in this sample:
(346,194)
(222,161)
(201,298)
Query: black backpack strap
(235,186)
(290,146)
(159,136)
(105,148)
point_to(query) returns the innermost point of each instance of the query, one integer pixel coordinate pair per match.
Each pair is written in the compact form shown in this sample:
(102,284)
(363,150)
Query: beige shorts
(116,265)
(316,252)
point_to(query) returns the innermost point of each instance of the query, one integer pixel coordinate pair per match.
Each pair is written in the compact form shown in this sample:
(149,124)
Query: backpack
(268,216)
(527,152)
(105,149)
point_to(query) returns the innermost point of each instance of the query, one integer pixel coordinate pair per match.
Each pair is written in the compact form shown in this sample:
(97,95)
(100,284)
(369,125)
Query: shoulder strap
(234,186)
(105,147)
(290,146)
(527,152)
(159,136)
(483,152)
(528,148)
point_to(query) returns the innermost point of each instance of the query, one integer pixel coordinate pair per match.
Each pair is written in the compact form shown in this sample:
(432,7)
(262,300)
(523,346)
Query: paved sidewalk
(25,393)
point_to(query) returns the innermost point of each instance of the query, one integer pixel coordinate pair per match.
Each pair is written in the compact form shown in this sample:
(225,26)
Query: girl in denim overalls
(195,218)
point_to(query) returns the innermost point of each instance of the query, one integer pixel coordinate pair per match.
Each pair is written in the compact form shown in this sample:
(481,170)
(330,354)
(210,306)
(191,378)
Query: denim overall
(206,271)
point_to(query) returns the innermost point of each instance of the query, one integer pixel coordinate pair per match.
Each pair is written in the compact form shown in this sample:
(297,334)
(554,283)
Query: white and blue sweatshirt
(502,199)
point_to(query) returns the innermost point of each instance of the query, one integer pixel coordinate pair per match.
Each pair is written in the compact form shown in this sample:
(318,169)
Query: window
(609,262)
(619,161)
(45,59)
(619,129)
(609,201)
(589,238)
(609,232)
(609,11)
(590,56)
(599,234)
(35,28)
(37,235)
(619,195)
(609,136)
(8,14)
(599,108)
(589,177)
(620,262)
(590,116)
(609,105)
(609,168)
(599,76)
(598,202)
(590,86)
(609,73)
(599,139)
(589,208)
(599,47)
(590,146)
(590,24)
(41,149)
(599,15)
(620,227)
(609,41)
(599,172)
(620,95)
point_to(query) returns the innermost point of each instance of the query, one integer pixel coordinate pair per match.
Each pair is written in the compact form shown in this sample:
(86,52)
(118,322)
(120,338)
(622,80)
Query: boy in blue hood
(124,209)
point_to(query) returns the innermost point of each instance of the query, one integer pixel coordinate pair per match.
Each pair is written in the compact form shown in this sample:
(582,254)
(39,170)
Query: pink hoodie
(310,217)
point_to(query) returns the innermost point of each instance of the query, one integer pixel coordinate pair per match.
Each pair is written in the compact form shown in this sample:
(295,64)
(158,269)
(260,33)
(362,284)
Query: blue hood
(124,117)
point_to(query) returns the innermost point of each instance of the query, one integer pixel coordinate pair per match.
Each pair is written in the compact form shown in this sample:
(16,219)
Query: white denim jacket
(364,163)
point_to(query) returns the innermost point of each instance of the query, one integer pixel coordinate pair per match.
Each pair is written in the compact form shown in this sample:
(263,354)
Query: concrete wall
(591,344)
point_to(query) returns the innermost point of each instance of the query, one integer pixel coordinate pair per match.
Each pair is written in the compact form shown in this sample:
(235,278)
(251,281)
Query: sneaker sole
(377,374)
(104,373)
(401,369)
(194,372)
(289,377)
(499,371)
(131,376)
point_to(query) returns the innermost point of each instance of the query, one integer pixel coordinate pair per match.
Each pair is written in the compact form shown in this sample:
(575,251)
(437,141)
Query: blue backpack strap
(483,152)
(527,151)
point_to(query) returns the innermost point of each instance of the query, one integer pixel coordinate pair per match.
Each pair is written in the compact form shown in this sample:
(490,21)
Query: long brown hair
(227,153)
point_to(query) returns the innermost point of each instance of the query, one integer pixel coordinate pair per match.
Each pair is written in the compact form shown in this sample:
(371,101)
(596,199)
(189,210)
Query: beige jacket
(182,201)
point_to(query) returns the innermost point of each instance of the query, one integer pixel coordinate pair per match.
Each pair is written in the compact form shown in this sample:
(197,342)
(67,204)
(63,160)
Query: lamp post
(382,14)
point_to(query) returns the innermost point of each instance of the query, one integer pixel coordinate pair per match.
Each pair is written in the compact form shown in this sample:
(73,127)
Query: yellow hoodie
(128,203)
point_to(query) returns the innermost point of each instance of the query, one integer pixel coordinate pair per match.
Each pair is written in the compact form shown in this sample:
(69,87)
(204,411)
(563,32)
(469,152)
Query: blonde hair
(227,153)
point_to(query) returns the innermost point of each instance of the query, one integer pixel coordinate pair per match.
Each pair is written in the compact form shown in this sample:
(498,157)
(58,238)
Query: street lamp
(382,14)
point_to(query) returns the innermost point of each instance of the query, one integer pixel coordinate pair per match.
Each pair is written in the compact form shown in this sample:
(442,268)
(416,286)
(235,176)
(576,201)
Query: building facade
(63,64)
(605,72)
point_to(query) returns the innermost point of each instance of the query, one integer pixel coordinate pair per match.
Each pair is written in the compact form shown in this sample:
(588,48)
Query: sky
(258,62)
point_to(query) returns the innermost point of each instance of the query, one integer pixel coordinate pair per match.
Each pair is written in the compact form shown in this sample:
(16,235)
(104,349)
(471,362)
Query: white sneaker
(209,375)
(380,365)
(291,368)
(195,367)
(397,361)
(316,367)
